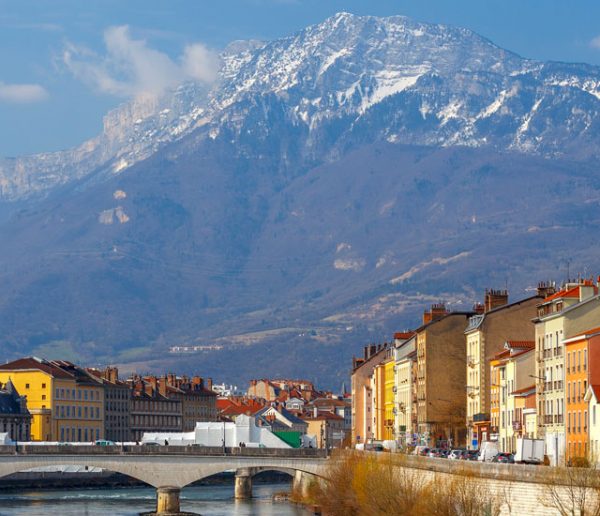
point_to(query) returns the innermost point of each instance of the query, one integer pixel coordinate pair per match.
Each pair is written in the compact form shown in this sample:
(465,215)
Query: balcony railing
(548,386)
(558,384)
(548,419)
(558,418)
(558,352)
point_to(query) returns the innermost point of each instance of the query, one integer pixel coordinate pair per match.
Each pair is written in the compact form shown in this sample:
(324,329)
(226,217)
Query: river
(208,500)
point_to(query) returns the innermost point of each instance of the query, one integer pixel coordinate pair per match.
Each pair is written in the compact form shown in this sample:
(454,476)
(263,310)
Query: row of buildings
(58,401)
(497,372)
(61,401)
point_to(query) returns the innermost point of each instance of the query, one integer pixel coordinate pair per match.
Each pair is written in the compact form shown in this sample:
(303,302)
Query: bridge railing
(211,451)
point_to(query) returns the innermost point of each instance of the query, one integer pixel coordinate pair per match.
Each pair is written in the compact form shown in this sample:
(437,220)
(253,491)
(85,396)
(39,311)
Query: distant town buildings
(530,368)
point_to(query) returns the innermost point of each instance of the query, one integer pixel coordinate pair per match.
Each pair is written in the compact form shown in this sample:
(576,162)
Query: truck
(530,451)
(488,450)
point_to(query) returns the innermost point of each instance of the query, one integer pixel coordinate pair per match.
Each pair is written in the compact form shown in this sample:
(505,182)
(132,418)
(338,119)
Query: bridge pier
(167,503)
(243,484)
(301,484)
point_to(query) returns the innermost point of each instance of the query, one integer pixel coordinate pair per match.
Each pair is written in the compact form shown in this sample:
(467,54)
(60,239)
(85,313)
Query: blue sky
(49,99)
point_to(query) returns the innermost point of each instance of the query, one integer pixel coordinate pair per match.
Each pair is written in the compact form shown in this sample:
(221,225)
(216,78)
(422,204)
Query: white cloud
(22,93)
(130,68)
(595,43)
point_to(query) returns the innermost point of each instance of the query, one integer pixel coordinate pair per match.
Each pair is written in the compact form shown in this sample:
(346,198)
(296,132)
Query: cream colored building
(592,396)
(517,365)
(363,383)
(404,356)
(486,333)
(573,309)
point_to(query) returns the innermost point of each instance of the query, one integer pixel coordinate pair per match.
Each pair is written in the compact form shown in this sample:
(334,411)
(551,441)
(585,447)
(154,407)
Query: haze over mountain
(324,189)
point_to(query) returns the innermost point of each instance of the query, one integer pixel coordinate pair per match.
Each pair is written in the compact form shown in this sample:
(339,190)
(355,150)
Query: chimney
(546,289)
(495,298)
(162,385)
(209,384)
(587,289)
(479,308)
(171,379)
(315,412)
(437,311)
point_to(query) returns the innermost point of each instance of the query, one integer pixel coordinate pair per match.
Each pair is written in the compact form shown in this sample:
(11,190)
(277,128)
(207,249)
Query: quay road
(170,468)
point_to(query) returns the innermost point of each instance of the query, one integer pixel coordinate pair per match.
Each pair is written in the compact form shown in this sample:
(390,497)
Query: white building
(208,433)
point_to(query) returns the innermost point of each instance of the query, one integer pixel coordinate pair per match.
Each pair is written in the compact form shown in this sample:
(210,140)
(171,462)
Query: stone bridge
(170,468)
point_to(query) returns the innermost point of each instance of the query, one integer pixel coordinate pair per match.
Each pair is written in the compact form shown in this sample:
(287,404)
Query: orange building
(582,366)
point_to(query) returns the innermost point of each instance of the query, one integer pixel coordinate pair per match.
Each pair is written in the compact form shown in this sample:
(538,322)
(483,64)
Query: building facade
(65,402)
(494,322)
(15,419)
(441,382)
(405,345)
(151,411)
(363,428)
(573,309)
(117,404)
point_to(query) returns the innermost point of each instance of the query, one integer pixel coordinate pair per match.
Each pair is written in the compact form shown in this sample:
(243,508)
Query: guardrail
(193,450)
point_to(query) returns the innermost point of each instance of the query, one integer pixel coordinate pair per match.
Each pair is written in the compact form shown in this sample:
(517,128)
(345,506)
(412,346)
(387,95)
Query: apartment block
(570,311)
(441,382)
(495,322)
(405,355)
(363,368)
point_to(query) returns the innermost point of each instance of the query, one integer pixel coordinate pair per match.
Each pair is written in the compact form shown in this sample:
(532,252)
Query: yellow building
(66,403)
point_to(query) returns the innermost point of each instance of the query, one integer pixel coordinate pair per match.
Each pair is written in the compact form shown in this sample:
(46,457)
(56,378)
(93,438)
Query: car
(456,454)
(150,443)
(421,450)
(104,442)
(434,453)
(504,458)
(470,455)
(444,454)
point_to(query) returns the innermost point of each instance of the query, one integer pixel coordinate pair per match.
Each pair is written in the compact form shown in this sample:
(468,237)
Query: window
(57,393)
(43,396)
(594,414)
(584,359)
(43,386)
(27,386)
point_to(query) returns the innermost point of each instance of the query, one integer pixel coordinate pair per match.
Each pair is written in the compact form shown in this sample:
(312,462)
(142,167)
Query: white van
(488,450)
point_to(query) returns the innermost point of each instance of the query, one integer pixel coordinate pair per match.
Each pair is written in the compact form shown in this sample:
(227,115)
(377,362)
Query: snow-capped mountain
(351,79)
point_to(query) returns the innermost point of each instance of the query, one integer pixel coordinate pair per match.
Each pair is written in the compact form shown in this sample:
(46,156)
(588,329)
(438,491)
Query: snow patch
(355,265)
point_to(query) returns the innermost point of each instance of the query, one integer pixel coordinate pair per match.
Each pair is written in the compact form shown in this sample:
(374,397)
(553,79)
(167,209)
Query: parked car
(423,451)
(104,442)
(434,453)
(444,454)
(504,458)
(456,454)
(470,455)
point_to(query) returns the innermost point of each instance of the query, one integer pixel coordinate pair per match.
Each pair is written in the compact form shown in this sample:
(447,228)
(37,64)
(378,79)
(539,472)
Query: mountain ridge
(300,211)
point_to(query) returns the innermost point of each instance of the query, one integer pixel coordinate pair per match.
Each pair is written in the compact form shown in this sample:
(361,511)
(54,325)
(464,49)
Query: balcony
(558,419)
(471,361)
(481,417)
(558,384)
(548,419)
(547,386)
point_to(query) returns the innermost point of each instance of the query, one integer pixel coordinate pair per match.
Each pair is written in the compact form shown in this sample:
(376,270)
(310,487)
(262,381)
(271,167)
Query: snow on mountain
(348,80)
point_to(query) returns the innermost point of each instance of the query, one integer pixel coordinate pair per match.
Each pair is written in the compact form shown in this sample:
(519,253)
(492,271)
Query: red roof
(524,344)
(34,363)
(573,292)
(403,334)
(524,390)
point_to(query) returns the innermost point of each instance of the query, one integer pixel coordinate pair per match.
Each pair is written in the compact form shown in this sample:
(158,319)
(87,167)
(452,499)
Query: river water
(205,500)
